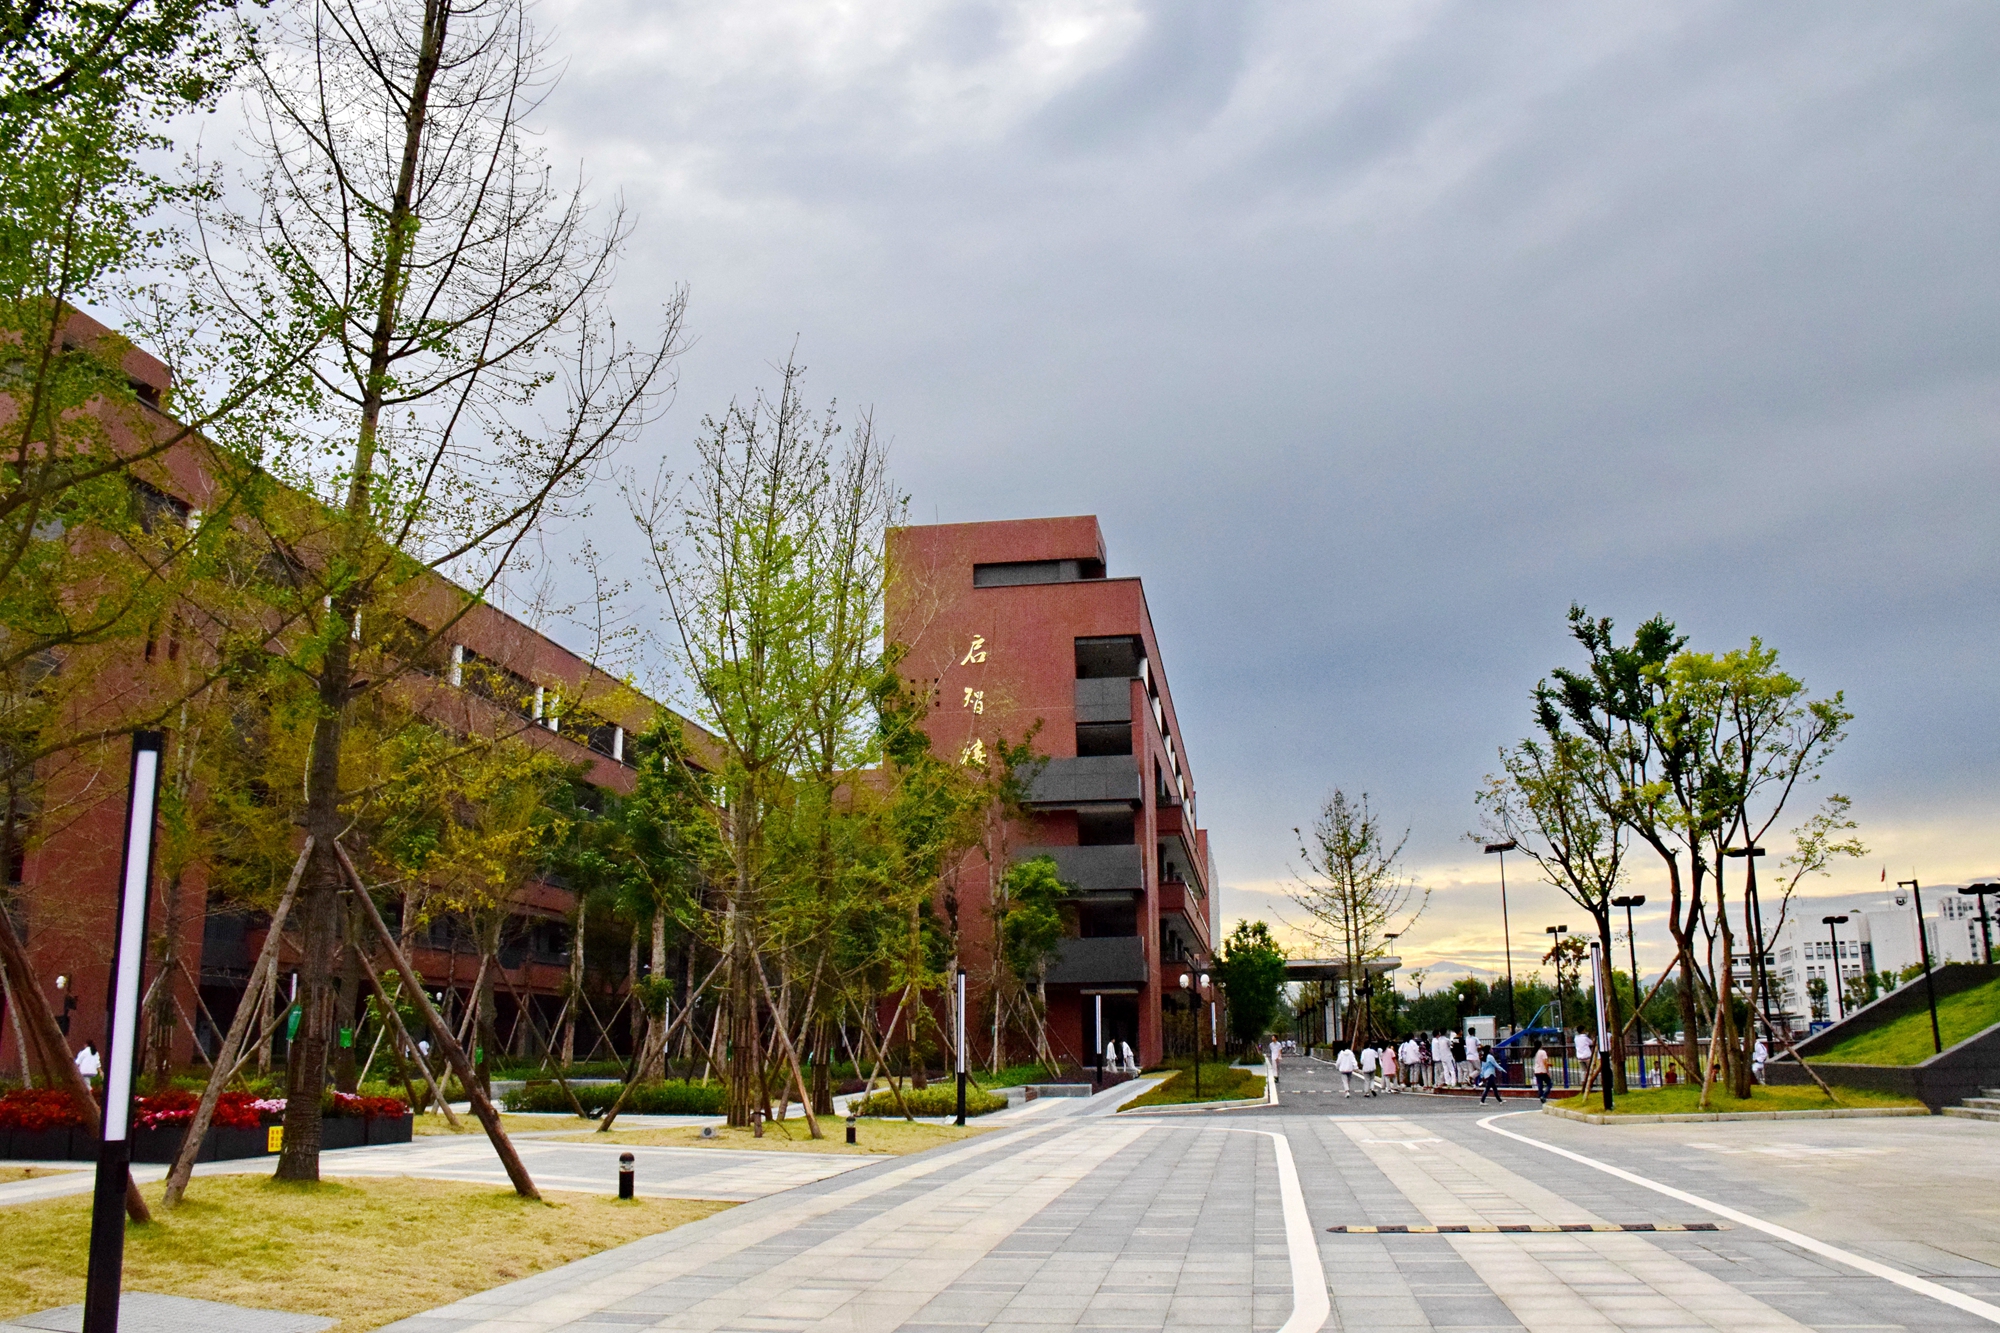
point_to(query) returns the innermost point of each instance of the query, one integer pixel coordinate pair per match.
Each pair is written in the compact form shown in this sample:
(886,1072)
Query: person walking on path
(1584,1051)
(87,1063)
(1760,1055)
(1489,1078)
(1347,1066)
(1447,1072)
(1389,1069)
(1371,1069)
(1409,1057)
(1542,1080)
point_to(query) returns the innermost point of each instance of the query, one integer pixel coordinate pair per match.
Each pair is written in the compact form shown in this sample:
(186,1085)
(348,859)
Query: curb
(1844,1113)
(1191,1108)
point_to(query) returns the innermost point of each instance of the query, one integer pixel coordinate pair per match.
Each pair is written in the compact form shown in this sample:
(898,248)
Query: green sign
(347,1039)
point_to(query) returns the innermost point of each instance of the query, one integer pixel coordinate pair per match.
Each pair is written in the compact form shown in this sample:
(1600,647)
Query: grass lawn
(1219,1083)
(1907,1041)
(10,1174)
(365,1252)
(1683,1100)
(892,1137)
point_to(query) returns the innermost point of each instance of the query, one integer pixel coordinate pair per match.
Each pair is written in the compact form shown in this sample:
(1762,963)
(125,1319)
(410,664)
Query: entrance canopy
(1334,969)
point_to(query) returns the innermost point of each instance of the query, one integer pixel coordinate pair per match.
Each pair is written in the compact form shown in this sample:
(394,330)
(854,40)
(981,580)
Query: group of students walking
(1426,1060)
(1440,1060)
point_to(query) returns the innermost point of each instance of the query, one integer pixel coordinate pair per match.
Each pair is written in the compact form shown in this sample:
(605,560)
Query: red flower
(27,1110)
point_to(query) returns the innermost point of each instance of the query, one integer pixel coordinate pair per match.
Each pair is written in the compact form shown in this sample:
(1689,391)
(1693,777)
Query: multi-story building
(1878,939)
(1017,632)
(495,675)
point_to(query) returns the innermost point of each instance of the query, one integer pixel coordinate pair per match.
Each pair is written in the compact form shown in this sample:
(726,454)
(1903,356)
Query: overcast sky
(1375,334)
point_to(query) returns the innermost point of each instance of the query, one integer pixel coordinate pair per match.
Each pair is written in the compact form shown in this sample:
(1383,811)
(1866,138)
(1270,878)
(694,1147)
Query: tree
(1029,923)
(768,559)
(1251,971)
(1353,890)
(471,381)
(1542,801)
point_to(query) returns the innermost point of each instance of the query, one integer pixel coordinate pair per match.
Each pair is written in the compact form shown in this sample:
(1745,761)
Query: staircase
(1983,1107)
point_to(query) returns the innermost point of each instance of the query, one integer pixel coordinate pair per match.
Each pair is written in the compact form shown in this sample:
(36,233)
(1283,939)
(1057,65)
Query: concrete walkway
(1077,1218)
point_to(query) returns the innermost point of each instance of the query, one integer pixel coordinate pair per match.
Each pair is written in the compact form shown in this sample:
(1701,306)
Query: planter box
(340,1132)
(50,1145)
(218,1145)
(386,1130)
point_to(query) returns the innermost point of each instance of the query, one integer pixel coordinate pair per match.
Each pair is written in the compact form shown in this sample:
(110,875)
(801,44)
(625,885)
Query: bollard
(624,1175)
(757,1124)
(850,1128)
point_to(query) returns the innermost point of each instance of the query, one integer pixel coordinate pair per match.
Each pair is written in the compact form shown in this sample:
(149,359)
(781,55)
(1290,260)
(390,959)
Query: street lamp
(1628,902)
(1506,935)
(1985,931)
(1599,966)
(1753,918)
(1830,922)
(1194,1005)
(1924,944)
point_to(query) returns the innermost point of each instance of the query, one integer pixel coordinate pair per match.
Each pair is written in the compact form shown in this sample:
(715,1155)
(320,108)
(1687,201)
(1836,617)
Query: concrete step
(1982,1103)
(1973,1113)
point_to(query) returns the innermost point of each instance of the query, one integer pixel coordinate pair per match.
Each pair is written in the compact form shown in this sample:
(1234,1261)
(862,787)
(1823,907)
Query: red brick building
(496,675)
(1015,624)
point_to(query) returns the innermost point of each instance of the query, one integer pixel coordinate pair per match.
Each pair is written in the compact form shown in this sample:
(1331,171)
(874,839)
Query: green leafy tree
(1251,970)
(1353,890)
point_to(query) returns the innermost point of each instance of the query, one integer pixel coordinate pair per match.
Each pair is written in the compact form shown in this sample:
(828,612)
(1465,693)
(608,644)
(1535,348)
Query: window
(156,510)
(489,680)
(1119,656)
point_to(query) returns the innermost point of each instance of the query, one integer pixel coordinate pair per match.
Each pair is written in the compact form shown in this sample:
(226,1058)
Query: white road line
(1908,1281)
(1310,1305)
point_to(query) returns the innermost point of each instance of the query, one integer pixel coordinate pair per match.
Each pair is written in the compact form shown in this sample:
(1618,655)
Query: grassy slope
(1684,1100)
(1219,1083)
(1907,1041)
(365,1252)
(894,1137)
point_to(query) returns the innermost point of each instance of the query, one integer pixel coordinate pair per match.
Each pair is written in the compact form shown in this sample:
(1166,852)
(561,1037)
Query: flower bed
(44,1125)
(646,1098)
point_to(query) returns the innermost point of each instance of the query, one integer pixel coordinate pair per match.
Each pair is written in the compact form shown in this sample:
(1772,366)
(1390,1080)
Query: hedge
(646,1098)
(937,1099)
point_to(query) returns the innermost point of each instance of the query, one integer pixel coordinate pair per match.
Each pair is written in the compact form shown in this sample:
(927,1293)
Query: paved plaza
(1077,1218)
(1072,1216)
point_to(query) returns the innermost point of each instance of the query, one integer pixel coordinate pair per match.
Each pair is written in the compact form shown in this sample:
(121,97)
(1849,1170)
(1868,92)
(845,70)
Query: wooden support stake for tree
(431,1082)
(666,1032)
(481,1105)
(226,1063)
(792,1055)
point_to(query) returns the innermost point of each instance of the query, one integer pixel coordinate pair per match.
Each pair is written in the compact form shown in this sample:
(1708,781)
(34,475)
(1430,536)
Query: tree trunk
(654,1069)
(160,1025)
(566,1051)
(319,909)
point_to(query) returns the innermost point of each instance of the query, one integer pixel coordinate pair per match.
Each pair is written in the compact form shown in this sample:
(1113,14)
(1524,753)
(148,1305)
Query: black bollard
(624,1175)
(850,1128)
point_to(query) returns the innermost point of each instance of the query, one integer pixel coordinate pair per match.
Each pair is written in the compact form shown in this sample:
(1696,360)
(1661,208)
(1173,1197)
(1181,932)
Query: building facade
(1014,631)
(1878,939)
(493,675)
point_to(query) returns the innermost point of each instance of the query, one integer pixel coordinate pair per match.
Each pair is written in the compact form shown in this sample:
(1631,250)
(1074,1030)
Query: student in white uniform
(1371,1069)
(1348,1067)
(1447,1070)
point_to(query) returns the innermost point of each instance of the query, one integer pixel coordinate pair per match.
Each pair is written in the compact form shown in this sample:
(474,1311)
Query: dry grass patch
(10,1174)
(365,1252)
(886,1137)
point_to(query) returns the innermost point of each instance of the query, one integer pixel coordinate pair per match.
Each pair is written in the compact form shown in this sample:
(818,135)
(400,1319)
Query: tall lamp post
(1555,934)
(1753,918)
(961,1048)
(1924,944)
(1194,1008)
(1600,967)
(1833,940)
(1501,849)
(1980,891)
(1628,902)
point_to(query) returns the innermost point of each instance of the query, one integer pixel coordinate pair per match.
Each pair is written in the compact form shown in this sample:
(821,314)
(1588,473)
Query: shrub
(233,1110)
(342,1106)
(30,1109)
(646,1098)
(937,1099)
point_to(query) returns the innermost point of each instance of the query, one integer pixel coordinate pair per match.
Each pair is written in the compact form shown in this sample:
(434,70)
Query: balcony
(1103,701)
(1095,780)
(1181,900)
(1094,869)
(1112,960)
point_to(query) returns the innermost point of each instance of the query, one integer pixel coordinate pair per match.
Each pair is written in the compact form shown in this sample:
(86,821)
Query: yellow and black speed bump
(1486,1228)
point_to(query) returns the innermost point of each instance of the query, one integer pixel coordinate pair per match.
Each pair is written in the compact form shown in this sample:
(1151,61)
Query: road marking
(1479,1228)
(1310,1304)
(1908,1281)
